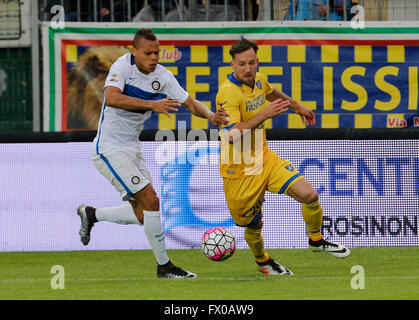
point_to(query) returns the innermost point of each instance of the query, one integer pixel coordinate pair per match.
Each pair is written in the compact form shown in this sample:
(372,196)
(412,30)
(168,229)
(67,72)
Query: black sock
(315,243)
(91,214)
(165,267)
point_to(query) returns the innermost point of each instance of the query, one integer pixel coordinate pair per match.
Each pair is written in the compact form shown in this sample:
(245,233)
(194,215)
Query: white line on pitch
(295,278)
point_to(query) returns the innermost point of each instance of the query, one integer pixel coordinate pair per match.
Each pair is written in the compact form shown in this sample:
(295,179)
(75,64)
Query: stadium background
(362,156)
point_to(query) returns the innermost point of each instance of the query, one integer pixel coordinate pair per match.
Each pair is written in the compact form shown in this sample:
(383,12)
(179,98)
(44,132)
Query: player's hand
(220,117)
(277,107)
(164,105)
(307,116)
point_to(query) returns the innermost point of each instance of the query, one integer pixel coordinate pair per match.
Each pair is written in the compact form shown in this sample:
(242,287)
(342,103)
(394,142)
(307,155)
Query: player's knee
(257,224)
(148,199)
(138,211)
(152,203)
(310,197)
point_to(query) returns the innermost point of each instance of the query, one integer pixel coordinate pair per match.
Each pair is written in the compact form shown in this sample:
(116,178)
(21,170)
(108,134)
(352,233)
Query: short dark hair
(145,33)
(242,45)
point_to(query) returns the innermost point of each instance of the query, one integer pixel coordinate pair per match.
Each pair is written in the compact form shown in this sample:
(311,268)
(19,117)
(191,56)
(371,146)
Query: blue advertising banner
(368,189)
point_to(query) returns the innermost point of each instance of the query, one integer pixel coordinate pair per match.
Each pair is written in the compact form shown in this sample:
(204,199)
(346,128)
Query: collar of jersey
(233,80)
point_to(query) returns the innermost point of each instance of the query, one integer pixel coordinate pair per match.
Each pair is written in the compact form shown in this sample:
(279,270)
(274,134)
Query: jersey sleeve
(230,101)
(267,86)
(175,90)
(118,75)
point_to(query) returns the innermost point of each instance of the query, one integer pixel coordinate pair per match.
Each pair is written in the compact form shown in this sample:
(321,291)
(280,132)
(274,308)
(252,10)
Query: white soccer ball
(218,244)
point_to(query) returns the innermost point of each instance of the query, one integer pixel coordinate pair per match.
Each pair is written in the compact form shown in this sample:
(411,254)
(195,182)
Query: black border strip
(271,134)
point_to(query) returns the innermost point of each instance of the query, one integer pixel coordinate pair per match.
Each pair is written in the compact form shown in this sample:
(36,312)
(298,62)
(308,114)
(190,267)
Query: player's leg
(150,204)
(285,178)
(303,192)
(89,216)
(266,265)
(125,214)
(120,169)
(245,197)
(253,237)
(128,173)
(131,213)
(138,210)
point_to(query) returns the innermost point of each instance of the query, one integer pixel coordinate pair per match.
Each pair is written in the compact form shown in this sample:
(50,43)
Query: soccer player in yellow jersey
(249,168)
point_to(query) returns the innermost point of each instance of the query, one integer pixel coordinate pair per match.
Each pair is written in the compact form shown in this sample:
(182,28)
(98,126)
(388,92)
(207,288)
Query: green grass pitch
(390,273)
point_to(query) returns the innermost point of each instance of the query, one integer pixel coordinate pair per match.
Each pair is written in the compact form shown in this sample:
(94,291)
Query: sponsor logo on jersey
(255,103)
(155,85)
(290,167)
(220,104)
(135,180)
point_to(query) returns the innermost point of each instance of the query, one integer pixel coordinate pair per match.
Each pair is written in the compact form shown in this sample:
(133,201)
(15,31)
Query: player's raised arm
(274,109)
(199,109)
(307,116)
(115,98)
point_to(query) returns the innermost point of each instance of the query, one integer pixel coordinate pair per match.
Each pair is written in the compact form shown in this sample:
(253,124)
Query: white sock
(122,215)
(154,232)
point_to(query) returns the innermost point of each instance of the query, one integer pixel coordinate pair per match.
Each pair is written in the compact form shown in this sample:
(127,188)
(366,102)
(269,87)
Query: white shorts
(126,171)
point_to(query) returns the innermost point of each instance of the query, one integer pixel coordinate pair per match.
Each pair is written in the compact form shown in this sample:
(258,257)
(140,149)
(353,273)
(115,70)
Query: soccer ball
(218,244)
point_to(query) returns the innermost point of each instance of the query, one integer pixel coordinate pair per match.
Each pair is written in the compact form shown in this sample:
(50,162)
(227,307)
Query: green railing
(15,89)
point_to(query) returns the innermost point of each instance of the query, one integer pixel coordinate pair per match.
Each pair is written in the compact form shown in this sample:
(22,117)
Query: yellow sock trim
(313,217)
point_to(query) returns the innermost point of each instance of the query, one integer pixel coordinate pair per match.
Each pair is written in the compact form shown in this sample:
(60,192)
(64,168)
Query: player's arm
(238,129)
(307,116)
(115,98)
(200,110)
